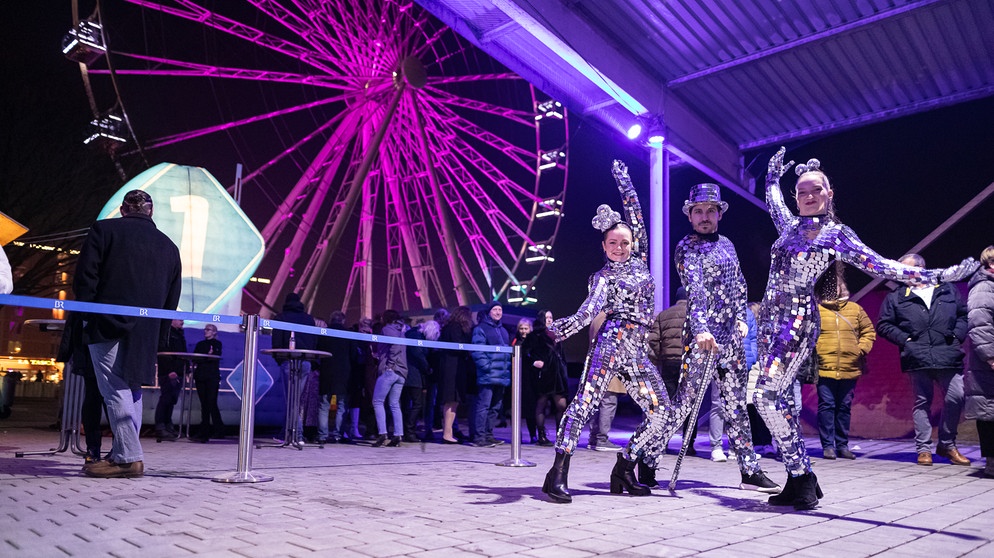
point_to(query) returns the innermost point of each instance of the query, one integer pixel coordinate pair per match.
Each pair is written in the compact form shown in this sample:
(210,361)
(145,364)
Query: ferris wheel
(389,162)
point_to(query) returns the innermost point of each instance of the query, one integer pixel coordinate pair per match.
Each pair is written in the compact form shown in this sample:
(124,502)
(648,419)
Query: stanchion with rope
(244,474)
(515,460)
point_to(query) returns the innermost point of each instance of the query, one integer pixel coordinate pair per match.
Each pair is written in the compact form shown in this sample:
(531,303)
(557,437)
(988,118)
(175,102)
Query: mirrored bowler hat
(704,193)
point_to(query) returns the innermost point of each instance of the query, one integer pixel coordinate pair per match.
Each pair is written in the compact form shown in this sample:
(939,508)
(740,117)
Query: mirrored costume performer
(789,320)
(623,290)
(716,305)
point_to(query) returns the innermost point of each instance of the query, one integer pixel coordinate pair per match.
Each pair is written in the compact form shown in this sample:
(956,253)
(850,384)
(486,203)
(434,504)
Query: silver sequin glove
(777,168)
(959,272)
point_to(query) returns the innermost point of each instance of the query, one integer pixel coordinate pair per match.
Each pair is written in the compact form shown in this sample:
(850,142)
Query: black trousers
(210,415)
(93,404)
(412,402)
(985,429)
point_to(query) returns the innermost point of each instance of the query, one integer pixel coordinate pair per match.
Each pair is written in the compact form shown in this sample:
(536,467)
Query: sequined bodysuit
(716,301)
(624,292)
(789,321)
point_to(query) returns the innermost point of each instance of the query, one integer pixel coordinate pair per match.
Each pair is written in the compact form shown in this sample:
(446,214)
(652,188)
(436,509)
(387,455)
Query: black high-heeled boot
(808,492)
(380,440)
(647,474)
(556,479)
(791,491)
(623,478)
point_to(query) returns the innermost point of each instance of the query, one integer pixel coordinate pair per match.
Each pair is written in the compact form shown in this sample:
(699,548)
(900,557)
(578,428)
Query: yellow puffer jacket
(847,335)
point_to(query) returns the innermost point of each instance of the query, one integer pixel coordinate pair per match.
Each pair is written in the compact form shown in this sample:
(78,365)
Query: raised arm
(633,210)
(600,289)
(774,196)
(854,252)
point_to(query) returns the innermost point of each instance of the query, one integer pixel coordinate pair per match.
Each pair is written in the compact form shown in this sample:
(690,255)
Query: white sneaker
(718,456)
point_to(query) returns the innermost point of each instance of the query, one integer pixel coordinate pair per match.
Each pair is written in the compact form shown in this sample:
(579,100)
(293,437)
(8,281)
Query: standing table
(292,435)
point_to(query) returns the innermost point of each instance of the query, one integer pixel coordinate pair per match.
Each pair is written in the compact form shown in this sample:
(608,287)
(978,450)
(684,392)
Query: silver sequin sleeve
(600,288)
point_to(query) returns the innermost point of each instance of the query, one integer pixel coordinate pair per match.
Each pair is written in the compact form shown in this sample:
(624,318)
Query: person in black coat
(207,377)
(455,369)
(928,323)
(170,372)
(545,368)
(335,378)
(126,261)
(419,371)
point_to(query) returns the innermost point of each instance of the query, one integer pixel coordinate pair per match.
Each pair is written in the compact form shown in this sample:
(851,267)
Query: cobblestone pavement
(430,500)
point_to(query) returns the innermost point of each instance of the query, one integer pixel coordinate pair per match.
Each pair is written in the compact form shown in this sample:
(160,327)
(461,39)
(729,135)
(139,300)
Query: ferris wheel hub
(414,72)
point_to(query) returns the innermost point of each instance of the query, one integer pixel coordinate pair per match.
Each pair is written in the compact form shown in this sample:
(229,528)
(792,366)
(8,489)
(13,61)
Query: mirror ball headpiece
(811,165)
(605,218)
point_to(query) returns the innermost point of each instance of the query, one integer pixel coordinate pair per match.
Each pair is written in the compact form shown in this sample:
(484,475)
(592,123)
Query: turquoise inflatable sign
(219,246)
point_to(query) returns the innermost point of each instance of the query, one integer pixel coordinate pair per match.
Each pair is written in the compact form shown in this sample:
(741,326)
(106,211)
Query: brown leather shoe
(111,470)
(925,458)
(953,455)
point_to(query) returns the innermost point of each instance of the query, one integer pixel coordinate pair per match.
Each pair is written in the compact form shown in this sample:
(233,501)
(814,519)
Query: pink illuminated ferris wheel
(388,162)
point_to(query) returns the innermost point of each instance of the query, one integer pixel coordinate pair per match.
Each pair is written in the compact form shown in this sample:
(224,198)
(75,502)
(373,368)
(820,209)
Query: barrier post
(515,460)
(246,428)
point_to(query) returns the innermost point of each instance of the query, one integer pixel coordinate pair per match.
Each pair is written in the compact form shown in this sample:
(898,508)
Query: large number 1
(194,240)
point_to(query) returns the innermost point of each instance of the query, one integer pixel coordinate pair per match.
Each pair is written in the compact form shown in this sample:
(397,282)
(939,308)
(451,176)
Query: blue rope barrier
(117,310)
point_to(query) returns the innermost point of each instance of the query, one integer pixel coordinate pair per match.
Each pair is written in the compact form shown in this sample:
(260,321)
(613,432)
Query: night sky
(894,181)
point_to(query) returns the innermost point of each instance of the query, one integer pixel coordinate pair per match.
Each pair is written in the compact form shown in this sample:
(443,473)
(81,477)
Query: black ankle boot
(792,491)
(787,495)
(647,475)
(394,442)
(380,440)
(623,478)
(556,479)
(808,492)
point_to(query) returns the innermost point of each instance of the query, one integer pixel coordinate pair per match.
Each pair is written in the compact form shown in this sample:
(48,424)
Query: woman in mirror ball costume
(789,318)
(623,290)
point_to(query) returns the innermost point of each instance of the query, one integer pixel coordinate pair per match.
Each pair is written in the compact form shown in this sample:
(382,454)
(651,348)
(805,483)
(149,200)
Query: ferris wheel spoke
(514,115)
(321,169)
(525,159)
(259,171)
(444,80)
(291,21)
(167,140)
(193,12)
(193,69)
(506,186)
(462,176)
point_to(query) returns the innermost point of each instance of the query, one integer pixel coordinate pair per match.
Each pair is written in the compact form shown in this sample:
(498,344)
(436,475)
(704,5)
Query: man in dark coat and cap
(129,262)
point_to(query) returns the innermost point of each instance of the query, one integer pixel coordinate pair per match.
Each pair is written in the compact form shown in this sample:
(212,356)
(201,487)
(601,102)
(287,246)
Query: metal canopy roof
(726,76)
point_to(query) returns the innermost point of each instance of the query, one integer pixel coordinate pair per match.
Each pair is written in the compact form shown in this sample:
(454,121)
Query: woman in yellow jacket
(847,335)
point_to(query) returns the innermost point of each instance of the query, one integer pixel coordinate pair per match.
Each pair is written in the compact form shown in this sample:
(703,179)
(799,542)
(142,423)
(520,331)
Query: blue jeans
(324,407)
(716,424)
(489,398)
(387,389)
(124,405)
(951,383)
(835,411)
